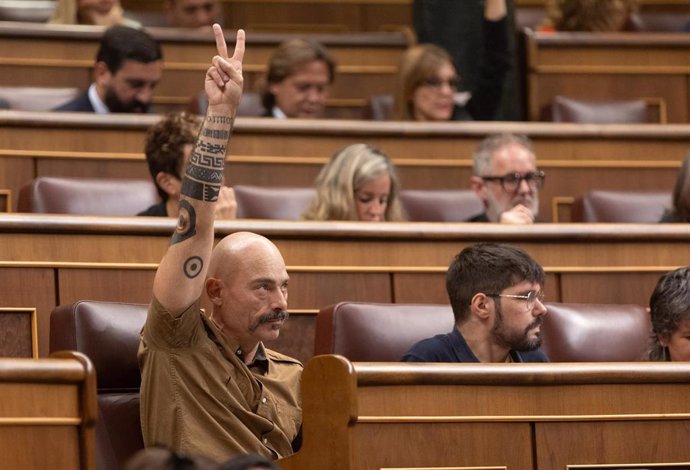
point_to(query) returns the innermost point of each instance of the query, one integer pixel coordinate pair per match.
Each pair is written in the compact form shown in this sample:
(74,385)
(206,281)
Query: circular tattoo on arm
(193,266)
(186,223)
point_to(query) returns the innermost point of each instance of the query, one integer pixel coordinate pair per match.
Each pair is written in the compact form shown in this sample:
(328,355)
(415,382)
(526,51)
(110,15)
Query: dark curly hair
(669,305)
(165,143)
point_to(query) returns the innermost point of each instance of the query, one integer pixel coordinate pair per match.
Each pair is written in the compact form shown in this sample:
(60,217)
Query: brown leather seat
(379,108)
(564,109)
(36,98)
(595,332)
(571,332)
(449,205)
(36,11)
(378,332)
(108,333)
(621,206)
(257,202)
(86,196)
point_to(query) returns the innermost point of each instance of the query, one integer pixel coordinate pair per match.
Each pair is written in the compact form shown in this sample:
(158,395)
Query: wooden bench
(48,413)
(268,152)
(371,416)
(49,260)
(601,66)
(57,55)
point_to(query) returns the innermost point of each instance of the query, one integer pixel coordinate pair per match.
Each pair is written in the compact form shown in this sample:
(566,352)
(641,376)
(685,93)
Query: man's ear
(167,183)
(478,186)
(214,290)
(101,73)
(482,306)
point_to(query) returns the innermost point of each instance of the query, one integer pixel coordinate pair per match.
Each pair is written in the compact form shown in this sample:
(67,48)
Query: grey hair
(485,151)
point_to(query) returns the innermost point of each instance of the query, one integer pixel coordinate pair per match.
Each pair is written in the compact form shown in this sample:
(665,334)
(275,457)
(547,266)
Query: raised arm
(180,277)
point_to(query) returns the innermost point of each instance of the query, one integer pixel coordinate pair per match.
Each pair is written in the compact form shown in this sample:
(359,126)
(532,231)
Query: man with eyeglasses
(496,294)
(507,180)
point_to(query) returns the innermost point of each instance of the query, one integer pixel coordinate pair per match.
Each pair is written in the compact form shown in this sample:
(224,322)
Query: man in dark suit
(128,68)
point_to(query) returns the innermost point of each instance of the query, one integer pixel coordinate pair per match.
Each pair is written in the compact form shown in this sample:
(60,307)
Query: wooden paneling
(116,285)
(48,413)
(29,288)
(369,416)
(18,332)
(592,66)
(115,259)
(302,16)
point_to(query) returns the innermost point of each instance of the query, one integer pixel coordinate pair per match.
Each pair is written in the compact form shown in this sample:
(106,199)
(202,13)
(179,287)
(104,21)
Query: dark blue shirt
(452,347)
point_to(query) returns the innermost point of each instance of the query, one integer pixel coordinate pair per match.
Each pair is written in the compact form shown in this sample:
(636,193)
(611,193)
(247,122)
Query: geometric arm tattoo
(204,175)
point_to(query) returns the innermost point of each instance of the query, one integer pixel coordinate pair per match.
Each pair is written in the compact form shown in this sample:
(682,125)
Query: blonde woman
(93,12)
(358,183)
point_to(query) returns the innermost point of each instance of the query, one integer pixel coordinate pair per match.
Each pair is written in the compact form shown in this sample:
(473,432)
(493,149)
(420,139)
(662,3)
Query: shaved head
(236,251)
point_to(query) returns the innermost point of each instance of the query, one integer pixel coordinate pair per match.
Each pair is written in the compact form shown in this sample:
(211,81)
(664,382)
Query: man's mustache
(272,316)
(269,317)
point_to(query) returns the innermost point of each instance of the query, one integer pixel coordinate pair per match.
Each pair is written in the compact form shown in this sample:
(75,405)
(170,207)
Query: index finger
(220,41)
(239,46)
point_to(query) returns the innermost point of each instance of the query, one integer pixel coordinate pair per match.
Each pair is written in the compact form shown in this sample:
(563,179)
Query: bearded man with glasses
(496,294)
(507,180)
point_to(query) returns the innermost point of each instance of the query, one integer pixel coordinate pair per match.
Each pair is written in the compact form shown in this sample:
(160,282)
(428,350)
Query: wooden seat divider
(371,416)
(48,412)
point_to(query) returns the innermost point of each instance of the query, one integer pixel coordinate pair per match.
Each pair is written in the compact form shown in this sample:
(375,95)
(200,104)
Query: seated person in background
(680,212)
(670,311)
(208,385)
(193,13)
(358,183)
(169,144)
(496,294)
(94,12)
(128,67)
(591,15)
(427,82)
(507,180)
(299,77)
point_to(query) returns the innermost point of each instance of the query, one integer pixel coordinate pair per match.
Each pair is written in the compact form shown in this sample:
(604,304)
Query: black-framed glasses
(512,181)
(529,297)
(437,83)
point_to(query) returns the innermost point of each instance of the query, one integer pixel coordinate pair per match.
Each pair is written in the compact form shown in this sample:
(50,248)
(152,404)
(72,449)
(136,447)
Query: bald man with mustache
(209,386)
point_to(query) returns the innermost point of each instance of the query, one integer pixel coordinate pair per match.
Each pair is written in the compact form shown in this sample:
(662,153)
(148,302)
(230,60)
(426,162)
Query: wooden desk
(576,158)
(371,416)
(608,66)
(48,413)
(63,56)
(50,260)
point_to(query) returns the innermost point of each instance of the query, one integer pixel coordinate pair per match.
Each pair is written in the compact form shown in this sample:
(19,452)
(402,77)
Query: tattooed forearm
(219,119)
(186,223)
(204,174)
(193,266)
(216,134)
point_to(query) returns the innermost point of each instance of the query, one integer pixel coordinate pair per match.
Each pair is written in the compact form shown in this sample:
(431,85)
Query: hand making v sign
(224,78)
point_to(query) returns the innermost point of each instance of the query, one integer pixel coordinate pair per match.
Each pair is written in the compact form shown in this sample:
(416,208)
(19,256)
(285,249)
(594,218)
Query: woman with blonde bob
(358,183)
